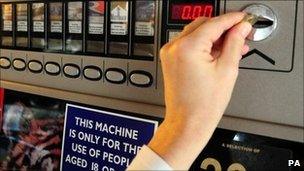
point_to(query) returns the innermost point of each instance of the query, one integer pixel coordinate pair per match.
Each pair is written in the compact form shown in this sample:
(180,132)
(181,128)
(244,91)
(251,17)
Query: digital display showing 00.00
(188,12)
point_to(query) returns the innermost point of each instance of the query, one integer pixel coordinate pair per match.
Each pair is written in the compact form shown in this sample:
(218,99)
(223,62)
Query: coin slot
(266,23)
(263,23)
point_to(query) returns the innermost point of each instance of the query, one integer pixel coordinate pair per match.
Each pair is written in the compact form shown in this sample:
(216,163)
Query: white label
(38,26)
(75,27)
(95,28)
(144,29)
(21,25)
(119,29)
(56,26)
(173,35)
(7,25)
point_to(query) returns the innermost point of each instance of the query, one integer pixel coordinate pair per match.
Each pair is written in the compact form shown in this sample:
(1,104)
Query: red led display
(190,11)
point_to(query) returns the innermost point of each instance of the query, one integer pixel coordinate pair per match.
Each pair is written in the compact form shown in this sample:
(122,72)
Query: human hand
(200,68)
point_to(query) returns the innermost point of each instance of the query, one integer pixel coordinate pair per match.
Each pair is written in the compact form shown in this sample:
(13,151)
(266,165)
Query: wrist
(177,144)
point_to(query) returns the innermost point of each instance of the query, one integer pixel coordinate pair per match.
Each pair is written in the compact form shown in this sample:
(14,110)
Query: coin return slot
(263,23)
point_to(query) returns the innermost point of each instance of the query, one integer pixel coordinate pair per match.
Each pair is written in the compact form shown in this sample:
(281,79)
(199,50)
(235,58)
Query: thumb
(233,45)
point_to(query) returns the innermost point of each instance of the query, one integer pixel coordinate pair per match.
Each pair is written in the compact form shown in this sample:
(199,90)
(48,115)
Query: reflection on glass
(95,46)
(7,41)
(21,42)
(73,45)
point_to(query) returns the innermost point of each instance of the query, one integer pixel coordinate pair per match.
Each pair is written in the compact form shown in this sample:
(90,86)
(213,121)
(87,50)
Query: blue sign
(97,140)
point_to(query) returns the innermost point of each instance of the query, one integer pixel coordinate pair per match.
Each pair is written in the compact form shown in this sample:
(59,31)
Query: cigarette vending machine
(81,85)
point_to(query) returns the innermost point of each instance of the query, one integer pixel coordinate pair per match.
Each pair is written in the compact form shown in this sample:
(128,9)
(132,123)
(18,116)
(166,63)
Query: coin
(251,18)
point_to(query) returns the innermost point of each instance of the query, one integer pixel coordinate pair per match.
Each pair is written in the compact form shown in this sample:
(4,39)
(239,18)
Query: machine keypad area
(138,78)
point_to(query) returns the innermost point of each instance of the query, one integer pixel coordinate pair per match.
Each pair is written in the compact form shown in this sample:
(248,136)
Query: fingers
(245,49)
(215,27)
(234,45)
(192,26)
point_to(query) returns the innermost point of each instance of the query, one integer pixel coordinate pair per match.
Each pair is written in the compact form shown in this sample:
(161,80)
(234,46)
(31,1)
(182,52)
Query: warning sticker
(7,25)
(38,26)
(75,27)
(96,17)
(119,29)
(144,29)
(7,17)
(56,26)
(21,17)
(38,17)
(75,17)
(98,140)
(145,18)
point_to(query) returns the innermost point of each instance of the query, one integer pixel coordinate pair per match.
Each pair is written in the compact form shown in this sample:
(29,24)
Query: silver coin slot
(266,24)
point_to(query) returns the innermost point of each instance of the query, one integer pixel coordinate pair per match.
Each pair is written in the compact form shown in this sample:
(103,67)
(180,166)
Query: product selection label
(99,140)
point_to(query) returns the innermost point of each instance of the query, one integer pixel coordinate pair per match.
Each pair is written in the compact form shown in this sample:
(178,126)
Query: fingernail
(246,29)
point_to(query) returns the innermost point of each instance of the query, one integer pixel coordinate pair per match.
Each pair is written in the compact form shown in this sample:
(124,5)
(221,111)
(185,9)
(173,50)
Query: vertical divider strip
(64,21)
(84,22)
(13,24)
(106,25)
(130,31)
(46,18)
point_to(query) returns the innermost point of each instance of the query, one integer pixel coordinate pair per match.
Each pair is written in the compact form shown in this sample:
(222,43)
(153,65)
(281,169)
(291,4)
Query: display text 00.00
(190,11)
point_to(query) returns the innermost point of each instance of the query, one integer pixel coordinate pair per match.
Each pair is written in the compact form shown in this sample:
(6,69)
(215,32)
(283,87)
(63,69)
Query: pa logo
(294,163)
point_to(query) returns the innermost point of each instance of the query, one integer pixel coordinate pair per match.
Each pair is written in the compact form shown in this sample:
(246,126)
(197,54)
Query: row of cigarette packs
(90,27)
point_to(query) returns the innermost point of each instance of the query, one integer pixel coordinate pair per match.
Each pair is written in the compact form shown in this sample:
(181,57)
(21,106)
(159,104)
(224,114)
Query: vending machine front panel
(104,54)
